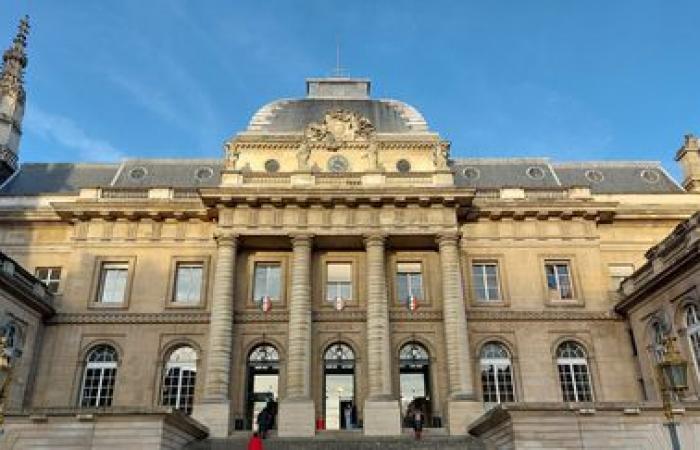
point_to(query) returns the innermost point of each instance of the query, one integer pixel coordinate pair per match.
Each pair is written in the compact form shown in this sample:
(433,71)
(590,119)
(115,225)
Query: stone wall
(593,426)
(104,430)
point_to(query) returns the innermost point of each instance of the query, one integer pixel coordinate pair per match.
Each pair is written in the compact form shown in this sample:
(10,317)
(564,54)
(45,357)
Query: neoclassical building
(335,255)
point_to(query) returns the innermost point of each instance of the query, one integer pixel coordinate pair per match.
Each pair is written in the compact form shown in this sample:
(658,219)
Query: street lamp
(673,371)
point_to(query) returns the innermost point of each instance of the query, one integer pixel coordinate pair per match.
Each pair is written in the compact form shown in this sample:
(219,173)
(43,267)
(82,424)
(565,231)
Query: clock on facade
(338,163)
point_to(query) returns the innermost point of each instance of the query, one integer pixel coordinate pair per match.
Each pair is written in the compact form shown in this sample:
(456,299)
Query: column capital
(374,239)
(301,239)
(225,237)
(448,238)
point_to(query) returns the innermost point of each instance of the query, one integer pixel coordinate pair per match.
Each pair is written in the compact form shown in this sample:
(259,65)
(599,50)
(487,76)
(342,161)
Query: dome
(292,116)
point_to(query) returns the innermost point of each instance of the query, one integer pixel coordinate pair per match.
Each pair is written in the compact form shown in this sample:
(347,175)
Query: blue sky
(571,80)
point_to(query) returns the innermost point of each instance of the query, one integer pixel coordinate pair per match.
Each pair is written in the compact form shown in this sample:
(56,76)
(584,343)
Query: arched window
(573,373)
(99,377)
(264,355)
(413,355)
(658,331)
(692,322)
(496,373)
(179,377)
(339,356)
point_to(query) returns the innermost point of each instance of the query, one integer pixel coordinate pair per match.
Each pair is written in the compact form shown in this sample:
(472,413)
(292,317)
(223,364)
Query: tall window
(496,374)
(485,281)
(113,277)
(50,276)
(559,284)
(180,374)
(338,281)
(99,377)
(658,331)
(692,321)
(267,281)
(13,339)
(188,283)
(574,378)
(409,279)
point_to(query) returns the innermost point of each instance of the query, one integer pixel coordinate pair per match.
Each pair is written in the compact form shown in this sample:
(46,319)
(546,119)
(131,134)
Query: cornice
(541,315)
(116,317)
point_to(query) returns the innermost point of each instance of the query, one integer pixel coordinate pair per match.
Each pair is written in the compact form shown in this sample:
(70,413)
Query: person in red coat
(255,443)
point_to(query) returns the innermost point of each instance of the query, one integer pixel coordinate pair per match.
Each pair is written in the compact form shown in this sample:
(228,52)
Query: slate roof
(294,115)
(528,173)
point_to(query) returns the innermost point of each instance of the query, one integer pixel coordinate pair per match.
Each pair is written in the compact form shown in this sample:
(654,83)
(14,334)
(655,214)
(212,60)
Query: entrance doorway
(339,386)
(263,383)
(414,379)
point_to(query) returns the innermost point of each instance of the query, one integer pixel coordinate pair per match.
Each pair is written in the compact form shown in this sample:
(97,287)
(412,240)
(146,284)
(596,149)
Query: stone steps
(344,441)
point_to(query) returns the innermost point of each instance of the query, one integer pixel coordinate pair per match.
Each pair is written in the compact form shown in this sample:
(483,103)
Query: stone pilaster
(462,407)
(296,416)
(381,411)
(214,411)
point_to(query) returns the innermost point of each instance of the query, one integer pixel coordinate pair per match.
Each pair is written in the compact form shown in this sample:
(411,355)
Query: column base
(296,418)
(460,413)
(382,418)
(215,415)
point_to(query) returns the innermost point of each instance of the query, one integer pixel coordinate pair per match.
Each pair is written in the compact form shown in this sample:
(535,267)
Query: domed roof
(292,116)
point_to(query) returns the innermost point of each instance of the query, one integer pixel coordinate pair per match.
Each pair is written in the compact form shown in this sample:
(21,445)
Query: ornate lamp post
(5,375)
(673,374)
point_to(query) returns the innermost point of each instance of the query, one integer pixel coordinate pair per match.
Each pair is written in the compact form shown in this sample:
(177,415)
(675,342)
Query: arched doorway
(414,381)
(263,381)
(339,386)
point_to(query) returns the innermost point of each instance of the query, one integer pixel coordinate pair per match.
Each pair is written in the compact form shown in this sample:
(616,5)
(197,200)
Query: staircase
(434,439)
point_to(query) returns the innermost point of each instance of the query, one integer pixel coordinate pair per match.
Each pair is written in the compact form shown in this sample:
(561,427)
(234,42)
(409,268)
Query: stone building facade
(335,257)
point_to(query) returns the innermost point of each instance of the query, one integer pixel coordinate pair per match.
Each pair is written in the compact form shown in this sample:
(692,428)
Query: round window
(535,173)
(403,166)
(650,176)
(204,173)
(596,176)
(272,166)
(471,173)
(137,173)
(338,163)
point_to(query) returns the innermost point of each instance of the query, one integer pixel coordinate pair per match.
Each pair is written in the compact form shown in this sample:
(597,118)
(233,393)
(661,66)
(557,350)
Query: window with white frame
(692,322)
(179,378)
(658,336)
(496,374)
(50,276)
(559,284)
(618,272)
(13,339)
(99,377)
(574,377)
(267,281)
(409,281)
(113,280)
(485,281)
(338,281)
(188,283)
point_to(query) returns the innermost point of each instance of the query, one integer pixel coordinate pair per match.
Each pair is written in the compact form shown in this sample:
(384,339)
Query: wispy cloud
(64,131)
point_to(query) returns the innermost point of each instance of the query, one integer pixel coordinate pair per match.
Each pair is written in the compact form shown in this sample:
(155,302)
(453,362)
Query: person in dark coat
(264,422)
(418,419)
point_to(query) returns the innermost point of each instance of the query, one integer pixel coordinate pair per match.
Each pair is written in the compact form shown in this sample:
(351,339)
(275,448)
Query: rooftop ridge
(506,160)
(609,163)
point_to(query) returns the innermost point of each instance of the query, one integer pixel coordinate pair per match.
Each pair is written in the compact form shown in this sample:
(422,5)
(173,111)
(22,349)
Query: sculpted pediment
(340,126)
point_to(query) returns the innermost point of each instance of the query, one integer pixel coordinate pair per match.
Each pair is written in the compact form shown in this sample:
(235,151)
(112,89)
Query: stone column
(462,408)
(382,415)
(297,411)
(214,410)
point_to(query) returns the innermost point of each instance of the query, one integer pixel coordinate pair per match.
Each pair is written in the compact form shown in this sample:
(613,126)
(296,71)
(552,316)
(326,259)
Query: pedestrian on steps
(417,423)
(255,443)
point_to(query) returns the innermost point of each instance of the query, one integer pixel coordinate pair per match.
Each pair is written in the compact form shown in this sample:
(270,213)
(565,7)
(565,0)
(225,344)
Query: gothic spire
(14,60)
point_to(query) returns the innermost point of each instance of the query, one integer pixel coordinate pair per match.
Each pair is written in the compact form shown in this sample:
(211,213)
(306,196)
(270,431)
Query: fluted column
(299,359)
(378,336)
(454,318)
(216,381)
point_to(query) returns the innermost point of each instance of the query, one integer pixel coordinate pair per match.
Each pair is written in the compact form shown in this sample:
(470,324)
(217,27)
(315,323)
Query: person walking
(255,443)
(417,423)
(347,412)
(264,420)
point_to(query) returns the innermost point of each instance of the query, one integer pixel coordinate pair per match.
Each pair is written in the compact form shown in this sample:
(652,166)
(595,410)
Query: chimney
(689,158)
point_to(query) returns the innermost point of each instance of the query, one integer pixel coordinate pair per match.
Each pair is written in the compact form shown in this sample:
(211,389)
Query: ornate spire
(14,60)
